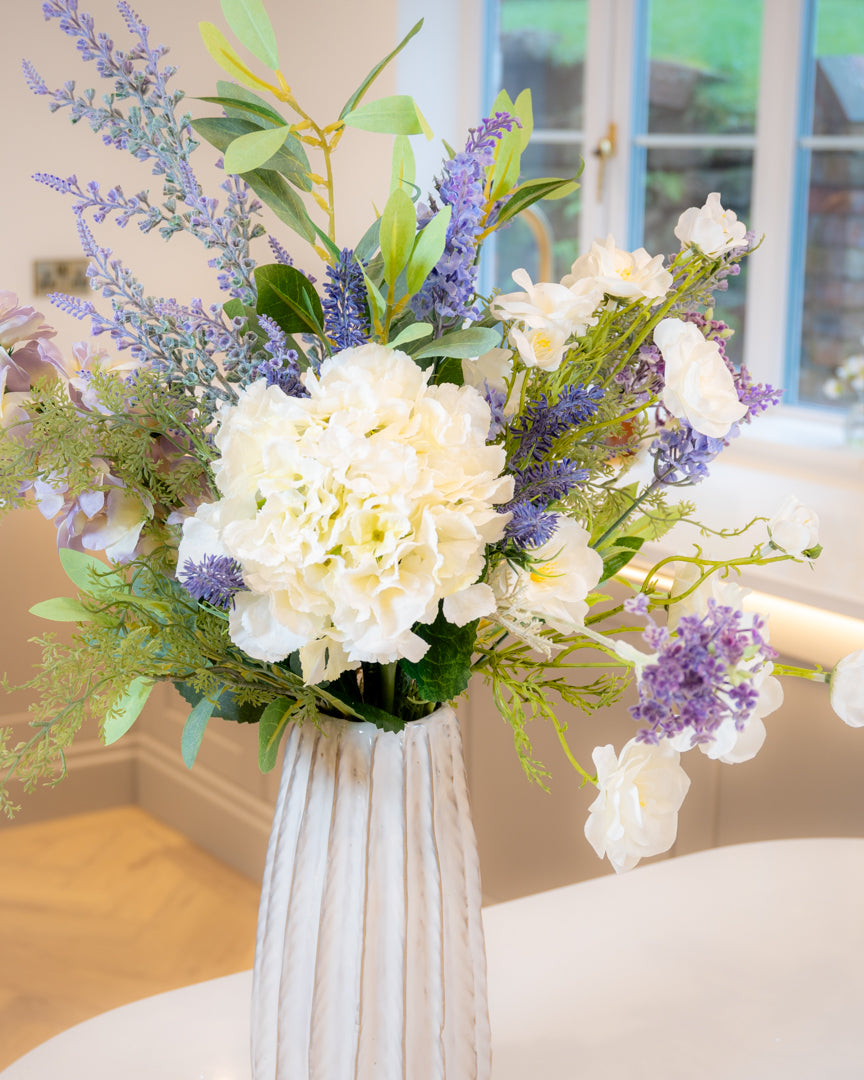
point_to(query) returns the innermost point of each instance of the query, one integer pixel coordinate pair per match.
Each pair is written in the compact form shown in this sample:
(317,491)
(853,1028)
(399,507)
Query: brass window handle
(604,150)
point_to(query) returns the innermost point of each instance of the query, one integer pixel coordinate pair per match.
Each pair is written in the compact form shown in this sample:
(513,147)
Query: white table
(741,963)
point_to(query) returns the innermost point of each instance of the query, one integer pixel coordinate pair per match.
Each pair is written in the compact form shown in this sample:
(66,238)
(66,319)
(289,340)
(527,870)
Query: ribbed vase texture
(370,962)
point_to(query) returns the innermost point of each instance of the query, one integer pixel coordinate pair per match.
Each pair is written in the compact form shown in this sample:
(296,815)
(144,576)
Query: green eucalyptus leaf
(226,57)
(428,249)
(253,29)
(621,554)
(505,171)
(250,104)
(395,115)
(443,673)
(449,370)
(193,730)
(255,150)
(548,187)
(286,295)
(332,247)
(66,609)
(353,101)
(90,574)
(398,230)
(462,344)
(227,706)
(377,303)
(290,160)
(523,110)
(412,332)
(404,169)
(124,714)
(283,200)
(369,242)
(271,728)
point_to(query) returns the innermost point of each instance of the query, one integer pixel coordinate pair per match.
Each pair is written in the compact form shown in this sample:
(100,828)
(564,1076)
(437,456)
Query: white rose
(711,228)
(556,588)
(847,689)
(541,347)
(545,305)
(630,275)
(699,387)
(635,814)
(794,529)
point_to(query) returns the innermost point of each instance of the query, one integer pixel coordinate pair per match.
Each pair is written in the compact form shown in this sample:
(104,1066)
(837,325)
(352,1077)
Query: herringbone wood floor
(100,909)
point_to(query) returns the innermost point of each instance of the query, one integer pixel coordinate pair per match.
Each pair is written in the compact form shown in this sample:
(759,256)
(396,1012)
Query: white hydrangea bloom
(640,792)
(847,689)
(352,512)
(794,528)
(630,275)
(698,385)
(556,588)
(711,228)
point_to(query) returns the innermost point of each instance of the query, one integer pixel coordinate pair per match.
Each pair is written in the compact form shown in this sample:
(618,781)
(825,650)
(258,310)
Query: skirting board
(213,812)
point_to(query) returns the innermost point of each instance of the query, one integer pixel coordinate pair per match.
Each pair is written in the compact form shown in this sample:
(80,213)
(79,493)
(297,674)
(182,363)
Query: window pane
(557,221)
(838,105)
(543,48)
(833,308)
(704,72)
(677,178)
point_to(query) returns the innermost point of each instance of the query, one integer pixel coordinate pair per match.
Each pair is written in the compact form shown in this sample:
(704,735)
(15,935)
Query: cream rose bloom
(640,792)
(353,512)
(794,528)
(711,228)
(847,689)
(698,385)
(630,275)
(555,590)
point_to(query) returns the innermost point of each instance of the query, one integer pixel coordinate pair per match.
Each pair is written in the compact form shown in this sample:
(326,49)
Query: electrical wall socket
(60,275)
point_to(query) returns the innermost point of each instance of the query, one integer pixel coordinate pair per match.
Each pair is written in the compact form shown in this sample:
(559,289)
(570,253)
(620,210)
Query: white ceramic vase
(370,962)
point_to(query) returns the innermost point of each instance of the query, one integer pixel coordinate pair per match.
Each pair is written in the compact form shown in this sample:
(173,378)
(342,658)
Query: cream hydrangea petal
(469,604)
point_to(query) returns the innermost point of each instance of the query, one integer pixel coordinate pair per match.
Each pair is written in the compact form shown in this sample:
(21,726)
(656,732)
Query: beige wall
(805,782)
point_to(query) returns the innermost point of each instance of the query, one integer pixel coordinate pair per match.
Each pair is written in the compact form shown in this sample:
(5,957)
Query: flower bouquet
(323,506)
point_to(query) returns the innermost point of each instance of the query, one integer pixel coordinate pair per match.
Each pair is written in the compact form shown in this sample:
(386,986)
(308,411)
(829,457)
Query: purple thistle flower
(216,580)
(346,322)
(702,674)
(542,423)
(530,526)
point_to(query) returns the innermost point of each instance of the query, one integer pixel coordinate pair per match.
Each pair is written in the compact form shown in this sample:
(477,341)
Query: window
(762,100)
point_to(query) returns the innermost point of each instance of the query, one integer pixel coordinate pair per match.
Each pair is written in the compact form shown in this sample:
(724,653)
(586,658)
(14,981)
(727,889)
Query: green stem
(388,687)
(813,674)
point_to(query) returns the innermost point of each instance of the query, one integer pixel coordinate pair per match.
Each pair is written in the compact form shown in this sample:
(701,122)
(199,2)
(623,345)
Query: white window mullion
(773,205)
(609,70)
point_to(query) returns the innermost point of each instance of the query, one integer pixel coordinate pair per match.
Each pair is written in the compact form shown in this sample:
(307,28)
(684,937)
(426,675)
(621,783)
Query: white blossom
(353,512)
(698,385)
(711,228)
(555,589)
(630,275)
(794,528)
(847,689)
(640,792)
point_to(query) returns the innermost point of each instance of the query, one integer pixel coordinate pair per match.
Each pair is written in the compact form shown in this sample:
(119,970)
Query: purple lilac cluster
(643,379)
(152,131)
(346,322)
(541,422)
(281,369)
(702,675)
(449,291)
(682,455)
(216,580)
